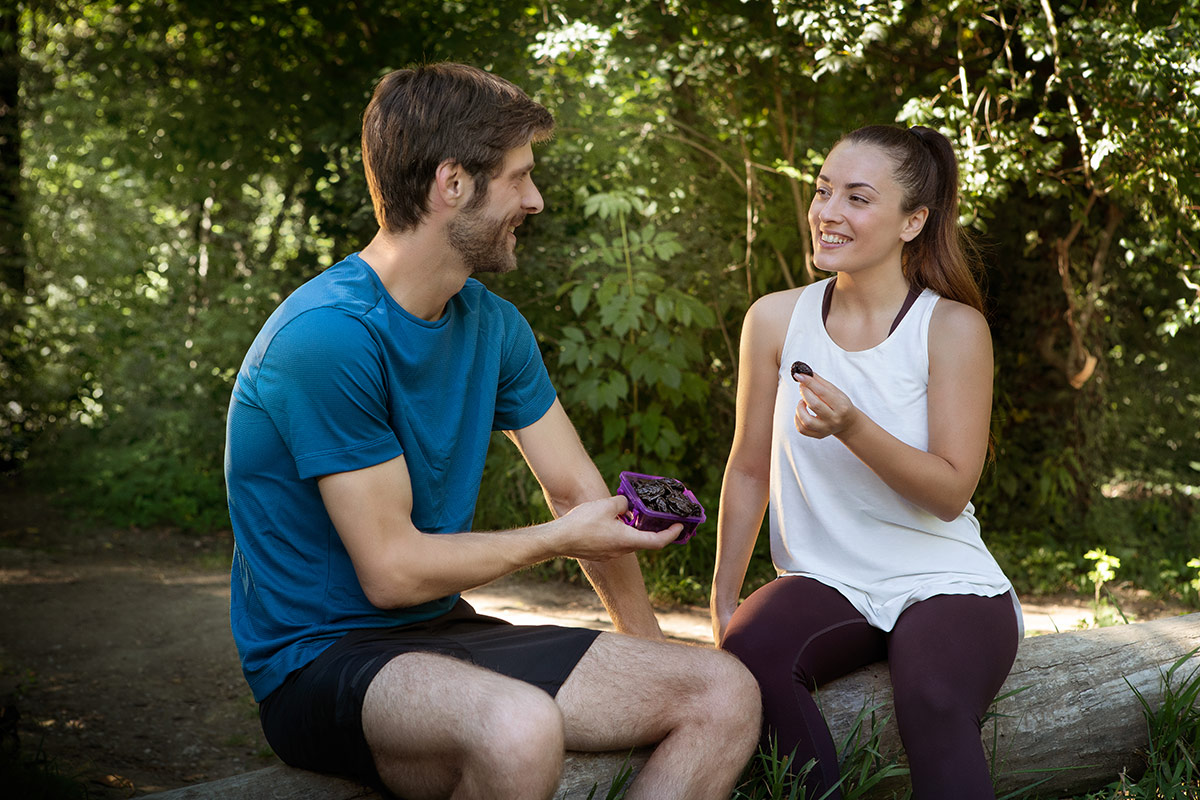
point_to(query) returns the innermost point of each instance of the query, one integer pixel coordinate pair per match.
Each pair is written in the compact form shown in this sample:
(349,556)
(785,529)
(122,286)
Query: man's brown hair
(420,117)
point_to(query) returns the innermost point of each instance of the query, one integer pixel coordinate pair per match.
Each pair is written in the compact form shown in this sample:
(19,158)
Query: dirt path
(115,647)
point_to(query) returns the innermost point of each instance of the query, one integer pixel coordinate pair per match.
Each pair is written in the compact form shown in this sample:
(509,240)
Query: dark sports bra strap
(913,294)
(827,300)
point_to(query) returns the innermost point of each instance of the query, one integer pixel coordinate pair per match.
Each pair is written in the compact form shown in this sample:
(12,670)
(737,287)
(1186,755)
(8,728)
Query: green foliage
(1105,569)
(767,776)
(863,767)
(36,775)
(1174,726)
(185,164)
(619,785)
(630,362)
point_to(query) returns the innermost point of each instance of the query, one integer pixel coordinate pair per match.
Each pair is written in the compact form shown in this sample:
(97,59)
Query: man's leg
(700,706)
(441,727)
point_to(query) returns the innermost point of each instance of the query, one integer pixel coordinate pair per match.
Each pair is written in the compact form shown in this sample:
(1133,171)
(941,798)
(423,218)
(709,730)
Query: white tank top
(832,518)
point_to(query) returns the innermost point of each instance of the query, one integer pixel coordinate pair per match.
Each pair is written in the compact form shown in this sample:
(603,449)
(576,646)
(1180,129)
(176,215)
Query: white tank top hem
(831,518)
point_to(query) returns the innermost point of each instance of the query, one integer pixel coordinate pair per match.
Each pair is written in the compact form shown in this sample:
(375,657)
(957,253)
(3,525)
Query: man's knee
(520,742)
(727,692)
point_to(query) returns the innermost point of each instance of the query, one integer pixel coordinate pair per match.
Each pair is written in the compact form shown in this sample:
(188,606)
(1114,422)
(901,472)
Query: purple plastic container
(646,519)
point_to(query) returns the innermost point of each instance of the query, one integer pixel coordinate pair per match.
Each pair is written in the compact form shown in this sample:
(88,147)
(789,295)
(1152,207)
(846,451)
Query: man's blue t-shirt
(341,378)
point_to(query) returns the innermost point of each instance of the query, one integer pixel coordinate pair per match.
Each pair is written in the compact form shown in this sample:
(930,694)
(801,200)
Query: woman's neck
(863,308)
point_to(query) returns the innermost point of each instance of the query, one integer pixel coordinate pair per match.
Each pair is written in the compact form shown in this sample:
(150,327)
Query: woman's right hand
(720,621)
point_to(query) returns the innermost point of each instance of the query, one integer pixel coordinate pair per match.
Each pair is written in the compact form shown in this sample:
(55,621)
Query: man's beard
(482,242)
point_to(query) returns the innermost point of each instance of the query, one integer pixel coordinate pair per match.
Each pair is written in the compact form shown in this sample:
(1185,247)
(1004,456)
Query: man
(357,434)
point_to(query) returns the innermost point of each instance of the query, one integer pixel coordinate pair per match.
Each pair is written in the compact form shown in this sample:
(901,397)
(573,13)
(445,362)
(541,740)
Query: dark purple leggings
(948,657)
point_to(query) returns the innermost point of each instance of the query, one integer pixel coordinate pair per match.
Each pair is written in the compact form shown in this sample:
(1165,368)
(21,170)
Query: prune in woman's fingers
(800,368)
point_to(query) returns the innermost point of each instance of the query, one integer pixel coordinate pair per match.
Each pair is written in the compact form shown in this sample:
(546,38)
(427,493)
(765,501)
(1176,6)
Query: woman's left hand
(823,410)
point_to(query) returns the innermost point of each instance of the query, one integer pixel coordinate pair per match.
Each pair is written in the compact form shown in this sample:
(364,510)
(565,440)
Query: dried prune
(665,496)
(800,368)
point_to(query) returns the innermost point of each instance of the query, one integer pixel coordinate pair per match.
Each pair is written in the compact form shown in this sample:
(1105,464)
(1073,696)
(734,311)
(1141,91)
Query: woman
(869,465)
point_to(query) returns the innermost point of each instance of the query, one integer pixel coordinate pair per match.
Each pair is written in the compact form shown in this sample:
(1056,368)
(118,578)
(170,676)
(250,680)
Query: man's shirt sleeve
(524,393)
(323,384)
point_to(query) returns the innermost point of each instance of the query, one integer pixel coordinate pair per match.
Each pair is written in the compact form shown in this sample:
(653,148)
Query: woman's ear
(914,224)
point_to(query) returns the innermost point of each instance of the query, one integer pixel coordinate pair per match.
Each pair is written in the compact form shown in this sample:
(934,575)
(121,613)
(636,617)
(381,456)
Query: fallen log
(1068,720)
(581,773)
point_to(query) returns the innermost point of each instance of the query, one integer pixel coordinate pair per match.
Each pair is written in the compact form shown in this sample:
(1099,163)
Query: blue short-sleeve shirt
(340,378)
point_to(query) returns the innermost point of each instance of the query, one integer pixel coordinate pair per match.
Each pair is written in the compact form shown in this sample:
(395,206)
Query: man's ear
(914,224)
(451,184)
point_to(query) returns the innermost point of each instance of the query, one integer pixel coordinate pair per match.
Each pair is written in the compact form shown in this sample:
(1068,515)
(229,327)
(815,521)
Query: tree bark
(14,360)
(1069,720)
(12,229)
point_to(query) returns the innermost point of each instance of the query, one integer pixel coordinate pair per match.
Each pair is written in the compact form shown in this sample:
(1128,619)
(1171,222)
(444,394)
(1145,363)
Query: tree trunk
(1070,718)
(12,229)
(1070,722)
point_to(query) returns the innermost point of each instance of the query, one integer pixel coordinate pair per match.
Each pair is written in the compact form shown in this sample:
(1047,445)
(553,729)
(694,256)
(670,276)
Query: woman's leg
(949,656)
(795,634)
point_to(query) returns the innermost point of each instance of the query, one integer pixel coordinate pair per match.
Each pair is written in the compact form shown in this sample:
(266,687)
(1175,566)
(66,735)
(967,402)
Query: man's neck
(418,269)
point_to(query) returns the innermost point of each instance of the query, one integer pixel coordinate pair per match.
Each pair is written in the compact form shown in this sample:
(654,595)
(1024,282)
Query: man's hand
(594,531)
(571,481)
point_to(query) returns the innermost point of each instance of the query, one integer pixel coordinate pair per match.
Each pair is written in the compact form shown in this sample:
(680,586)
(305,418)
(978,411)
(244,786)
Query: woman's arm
(745,487)
(943,479)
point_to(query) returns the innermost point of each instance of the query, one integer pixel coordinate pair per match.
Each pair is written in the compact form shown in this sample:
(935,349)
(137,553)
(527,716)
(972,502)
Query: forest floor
(115,647)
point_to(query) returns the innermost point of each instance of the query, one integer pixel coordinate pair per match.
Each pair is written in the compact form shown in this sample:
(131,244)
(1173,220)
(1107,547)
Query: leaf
(608,205)
(579,298)
(663,307)
(667,246)
(671,375)
(615,427)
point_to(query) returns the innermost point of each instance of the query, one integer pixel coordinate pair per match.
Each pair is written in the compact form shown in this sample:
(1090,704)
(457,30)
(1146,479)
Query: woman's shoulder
(951,316)
(771,314)
(776,305)
(767,320)
(958,329)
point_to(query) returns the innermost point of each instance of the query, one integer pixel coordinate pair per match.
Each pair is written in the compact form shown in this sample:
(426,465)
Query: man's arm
(569,479)
(399,566)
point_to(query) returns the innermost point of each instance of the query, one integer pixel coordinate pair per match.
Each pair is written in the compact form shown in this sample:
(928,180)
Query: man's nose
(533,200)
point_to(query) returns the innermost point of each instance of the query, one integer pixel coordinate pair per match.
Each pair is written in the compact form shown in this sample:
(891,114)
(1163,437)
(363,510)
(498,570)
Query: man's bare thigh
(627,691)
(425,713)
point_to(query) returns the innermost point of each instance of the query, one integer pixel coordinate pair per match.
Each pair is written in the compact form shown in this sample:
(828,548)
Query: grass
(1174,734)
(766,777)
(35,776)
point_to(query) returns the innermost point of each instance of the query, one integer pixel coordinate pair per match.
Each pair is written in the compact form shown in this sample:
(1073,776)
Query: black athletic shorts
(314,720)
